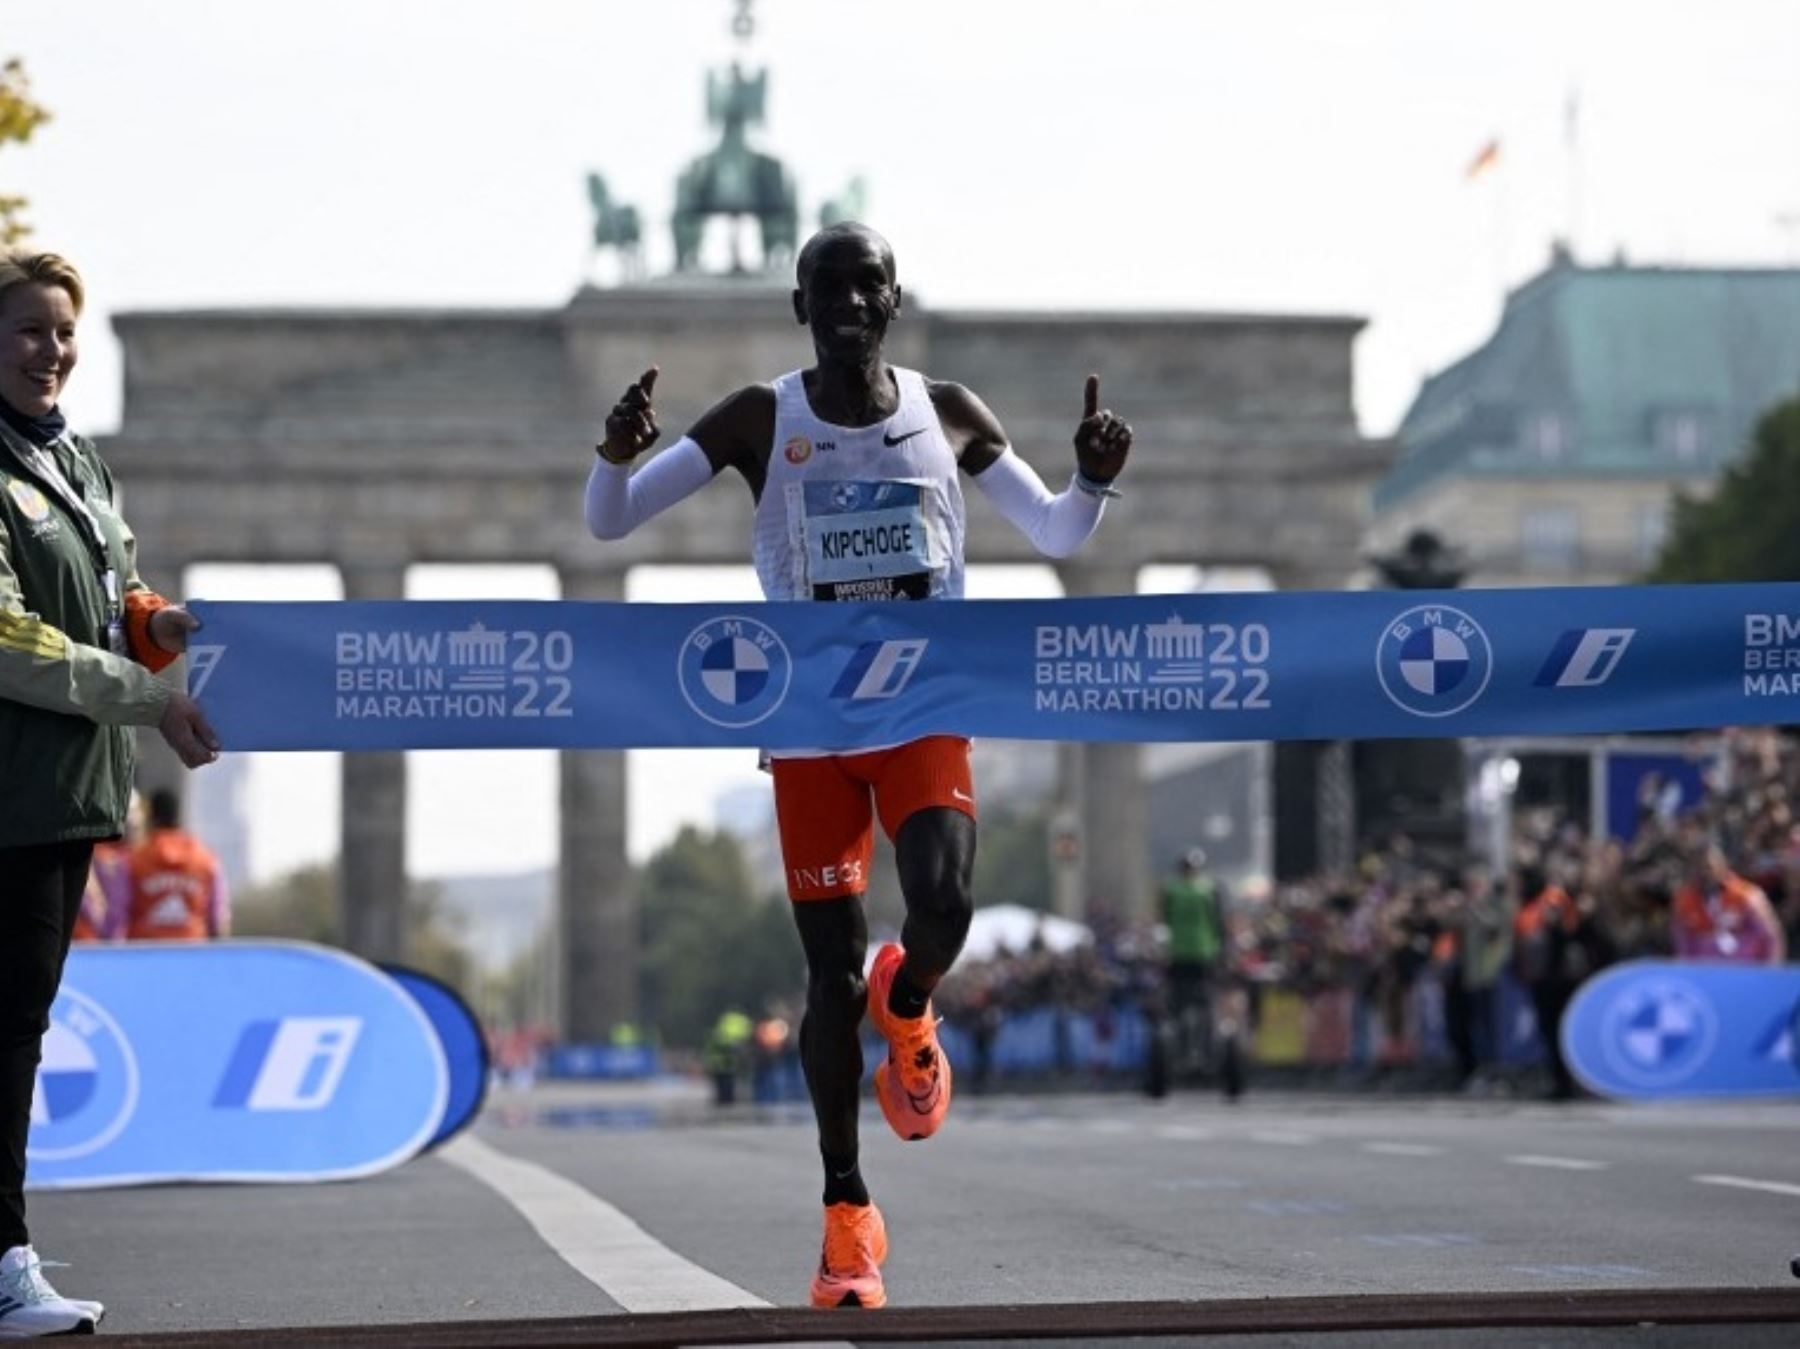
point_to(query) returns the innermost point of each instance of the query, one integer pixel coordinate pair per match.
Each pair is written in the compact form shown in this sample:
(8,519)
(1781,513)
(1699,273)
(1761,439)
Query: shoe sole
(851,1299)
(907,1128)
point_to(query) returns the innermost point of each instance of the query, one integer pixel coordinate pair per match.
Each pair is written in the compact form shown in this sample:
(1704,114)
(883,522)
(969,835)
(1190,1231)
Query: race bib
(866,540)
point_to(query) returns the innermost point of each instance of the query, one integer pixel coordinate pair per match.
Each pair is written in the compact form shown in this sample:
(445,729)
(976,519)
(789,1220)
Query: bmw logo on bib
(87,1081)
(734,671)
(1434,660)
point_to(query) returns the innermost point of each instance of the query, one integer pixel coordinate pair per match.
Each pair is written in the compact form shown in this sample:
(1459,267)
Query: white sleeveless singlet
(859,513)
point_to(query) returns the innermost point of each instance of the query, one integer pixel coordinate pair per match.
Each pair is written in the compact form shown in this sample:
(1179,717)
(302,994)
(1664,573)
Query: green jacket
(1196,927)
(67,702)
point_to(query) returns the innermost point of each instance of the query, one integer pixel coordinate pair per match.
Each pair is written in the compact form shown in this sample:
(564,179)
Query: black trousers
(40,895)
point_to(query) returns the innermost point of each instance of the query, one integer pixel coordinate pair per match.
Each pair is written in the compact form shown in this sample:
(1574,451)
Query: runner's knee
(837,998)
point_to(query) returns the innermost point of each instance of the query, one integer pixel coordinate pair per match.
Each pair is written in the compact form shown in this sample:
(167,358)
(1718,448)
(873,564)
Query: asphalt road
(592,1204)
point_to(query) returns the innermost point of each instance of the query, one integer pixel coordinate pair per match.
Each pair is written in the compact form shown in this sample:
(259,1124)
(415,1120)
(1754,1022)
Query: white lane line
(1182,1133)
(1745,1183)
(1556,1163)
(604,1246)
(1403,1149)
(1284,1138)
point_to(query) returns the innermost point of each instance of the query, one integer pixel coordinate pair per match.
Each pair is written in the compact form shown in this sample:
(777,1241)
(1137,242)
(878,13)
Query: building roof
(1614,371)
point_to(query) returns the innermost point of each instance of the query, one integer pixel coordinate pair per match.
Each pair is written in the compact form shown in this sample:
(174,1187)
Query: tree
(709,942)
(19,117)
(1012,865)
(1749,529)
(304,906)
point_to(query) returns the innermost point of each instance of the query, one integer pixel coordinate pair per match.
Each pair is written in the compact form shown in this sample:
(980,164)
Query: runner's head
(846,292)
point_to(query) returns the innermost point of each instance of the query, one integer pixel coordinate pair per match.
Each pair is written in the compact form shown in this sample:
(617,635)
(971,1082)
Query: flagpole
(1572,152)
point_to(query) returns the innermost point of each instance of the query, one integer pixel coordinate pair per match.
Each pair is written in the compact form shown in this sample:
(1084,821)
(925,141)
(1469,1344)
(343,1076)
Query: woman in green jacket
(80,638)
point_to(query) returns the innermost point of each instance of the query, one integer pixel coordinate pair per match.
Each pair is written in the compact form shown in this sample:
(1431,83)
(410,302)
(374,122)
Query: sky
(1291,156)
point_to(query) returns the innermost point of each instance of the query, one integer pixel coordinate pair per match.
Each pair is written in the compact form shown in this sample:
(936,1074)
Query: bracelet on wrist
(1093,488)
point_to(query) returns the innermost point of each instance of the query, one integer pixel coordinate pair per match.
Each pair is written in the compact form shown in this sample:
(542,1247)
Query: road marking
(604,1246)
(1284,1138)
(1432,1239)
(1201,1183)
(1584,1271)
(1556,1163)
(1745,1183)
(1182,1133)
(1285,1208)
(1403,1149)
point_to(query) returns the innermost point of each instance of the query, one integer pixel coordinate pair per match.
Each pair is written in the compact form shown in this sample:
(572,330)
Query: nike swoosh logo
(891,441)
(958,794)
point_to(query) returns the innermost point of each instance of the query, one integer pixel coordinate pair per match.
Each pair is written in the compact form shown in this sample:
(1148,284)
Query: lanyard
(43,463)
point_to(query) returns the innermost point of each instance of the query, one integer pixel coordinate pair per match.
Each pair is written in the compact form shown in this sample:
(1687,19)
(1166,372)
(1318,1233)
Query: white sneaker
(30,1307)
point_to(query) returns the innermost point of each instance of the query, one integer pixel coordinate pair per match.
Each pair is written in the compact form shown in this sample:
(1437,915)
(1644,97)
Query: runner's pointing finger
(638,395)
(1090,403)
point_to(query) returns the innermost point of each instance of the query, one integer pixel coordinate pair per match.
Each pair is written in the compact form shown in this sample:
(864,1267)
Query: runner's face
(849,299)
(37,346)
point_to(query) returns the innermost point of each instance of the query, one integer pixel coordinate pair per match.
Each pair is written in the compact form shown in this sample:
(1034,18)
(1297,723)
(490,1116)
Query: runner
(852,468)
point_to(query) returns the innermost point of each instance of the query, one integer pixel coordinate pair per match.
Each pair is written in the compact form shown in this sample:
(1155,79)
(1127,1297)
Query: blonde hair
(19,267)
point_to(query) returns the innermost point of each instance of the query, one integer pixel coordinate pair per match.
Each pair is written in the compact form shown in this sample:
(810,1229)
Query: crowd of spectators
(1421,943)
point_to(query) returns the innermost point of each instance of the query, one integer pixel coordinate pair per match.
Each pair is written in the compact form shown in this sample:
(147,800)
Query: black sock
(844,1182)
(905,998)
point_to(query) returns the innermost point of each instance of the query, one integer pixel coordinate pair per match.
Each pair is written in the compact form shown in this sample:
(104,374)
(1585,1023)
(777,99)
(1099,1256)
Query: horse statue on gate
(735,180)
(616,225)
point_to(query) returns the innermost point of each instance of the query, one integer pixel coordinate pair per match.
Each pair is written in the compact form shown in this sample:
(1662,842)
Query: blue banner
(1651,1029)
(265,1061)
(465,1048)
(1197,667)
(609,1063)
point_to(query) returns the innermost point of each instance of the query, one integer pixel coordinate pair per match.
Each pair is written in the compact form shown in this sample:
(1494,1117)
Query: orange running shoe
(913,1082)
(850,1260)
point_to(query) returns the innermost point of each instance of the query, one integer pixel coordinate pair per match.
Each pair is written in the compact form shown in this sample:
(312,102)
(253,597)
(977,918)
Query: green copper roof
(1615,371)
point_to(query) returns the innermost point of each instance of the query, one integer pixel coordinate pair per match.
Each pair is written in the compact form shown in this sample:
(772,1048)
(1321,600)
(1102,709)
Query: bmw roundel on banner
(1434,660)
(734,670)
(1658,1028)
(241,1060)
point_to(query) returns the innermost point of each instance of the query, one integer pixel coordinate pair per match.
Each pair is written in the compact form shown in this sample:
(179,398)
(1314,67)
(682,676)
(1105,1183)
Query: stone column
(373,866)
(1114,811)
(1334,782)
(596,902)
(1064,841)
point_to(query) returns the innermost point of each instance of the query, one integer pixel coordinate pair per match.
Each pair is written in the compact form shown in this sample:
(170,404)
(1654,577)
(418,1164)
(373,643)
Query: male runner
(854,436)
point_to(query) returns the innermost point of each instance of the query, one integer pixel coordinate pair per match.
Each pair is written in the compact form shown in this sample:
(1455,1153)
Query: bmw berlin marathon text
(1171,666)
(470,673)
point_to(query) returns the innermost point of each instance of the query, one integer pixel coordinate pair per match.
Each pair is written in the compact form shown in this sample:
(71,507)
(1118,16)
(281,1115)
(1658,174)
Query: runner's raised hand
(1102,441)
(631,425)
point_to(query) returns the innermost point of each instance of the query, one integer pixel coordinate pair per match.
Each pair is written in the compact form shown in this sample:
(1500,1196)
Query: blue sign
(611,1063)
(465,1048)
(265,1061)
(1657,1028)
(1196,667)
(1639,784)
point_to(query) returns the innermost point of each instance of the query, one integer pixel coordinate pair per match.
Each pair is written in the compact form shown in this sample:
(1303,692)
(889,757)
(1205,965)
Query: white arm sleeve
(1056,525)
(618,500)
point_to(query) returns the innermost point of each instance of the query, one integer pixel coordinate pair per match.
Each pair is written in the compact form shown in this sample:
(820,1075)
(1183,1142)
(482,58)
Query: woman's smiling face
(37,346)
